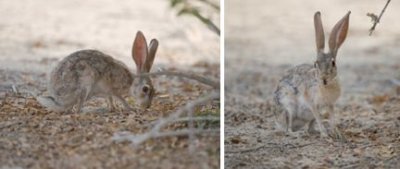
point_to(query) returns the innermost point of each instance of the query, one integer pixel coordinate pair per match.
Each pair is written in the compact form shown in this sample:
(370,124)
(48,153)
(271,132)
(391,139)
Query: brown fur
(88,73)
(305,89)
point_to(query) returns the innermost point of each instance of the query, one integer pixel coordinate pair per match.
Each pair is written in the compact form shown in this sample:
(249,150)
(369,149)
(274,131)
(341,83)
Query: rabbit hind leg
(292,121)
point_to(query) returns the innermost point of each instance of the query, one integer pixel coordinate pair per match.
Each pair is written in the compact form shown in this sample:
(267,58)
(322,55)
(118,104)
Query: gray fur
(305,90)
(89,73)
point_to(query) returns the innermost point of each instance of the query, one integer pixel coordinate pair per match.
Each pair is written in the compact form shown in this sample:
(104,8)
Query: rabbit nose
(325,81)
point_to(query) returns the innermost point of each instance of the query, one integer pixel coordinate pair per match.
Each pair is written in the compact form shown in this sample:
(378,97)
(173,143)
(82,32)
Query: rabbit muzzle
(325,82)
(145,101)
(145,95)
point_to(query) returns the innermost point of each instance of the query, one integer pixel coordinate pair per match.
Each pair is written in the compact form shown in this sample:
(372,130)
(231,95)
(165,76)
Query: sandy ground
(264,38)
(34,35)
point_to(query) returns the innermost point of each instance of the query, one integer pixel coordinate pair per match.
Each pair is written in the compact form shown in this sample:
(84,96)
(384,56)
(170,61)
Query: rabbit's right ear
(152,53)
(139,51)
(319,32)
(339,33)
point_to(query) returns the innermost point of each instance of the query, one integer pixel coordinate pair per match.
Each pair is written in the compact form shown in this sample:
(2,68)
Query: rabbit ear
(319,32)
(139,51)
(339,33)
(152,53)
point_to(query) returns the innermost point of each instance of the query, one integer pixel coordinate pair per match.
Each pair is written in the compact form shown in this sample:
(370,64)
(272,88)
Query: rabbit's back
(88,67)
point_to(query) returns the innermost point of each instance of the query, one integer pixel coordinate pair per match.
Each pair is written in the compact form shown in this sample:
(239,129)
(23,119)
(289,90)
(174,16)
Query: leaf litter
(369,119)
(32,137)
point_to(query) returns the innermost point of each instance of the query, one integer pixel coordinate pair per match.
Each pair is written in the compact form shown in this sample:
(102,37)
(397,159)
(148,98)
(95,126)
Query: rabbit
(85,74)
(305,90)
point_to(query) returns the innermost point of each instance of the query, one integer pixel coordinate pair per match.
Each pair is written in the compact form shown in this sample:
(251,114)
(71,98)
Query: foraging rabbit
(305,89)
(88,73)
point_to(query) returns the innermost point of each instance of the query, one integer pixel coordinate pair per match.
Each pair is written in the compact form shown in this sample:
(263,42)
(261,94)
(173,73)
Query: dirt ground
(34,36)
(264,38)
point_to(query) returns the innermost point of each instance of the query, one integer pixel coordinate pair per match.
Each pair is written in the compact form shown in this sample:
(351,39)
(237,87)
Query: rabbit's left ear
(339,33)
(151,55)
(319,33)
(139,51)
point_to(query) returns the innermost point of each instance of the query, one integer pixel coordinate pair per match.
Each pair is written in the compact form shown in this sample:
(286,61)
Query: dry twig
(174,117)
(186,7)
(207,81)
(375,19)
(186,119)
(200,118)
(155,131)
(138,139)
(14,89)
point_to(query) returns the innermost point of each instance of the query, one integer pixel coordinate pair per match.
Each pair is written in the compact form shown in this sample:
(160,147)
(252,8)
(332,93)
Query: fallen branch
(192,136)
(155,131)
(210,82)
(185,119)
(375,19)
(199,118)
(395,82)
(188,106)
(137,139)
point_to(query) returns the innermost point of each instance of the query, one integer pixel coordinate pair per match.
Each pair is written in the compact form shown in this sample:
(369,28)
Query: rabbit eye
(333,63)
(145,89)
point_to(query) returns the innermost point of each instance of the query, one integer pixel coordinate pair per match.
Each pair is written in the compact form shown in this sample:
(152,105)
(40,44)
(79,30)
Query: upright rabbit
(305,90)
(88,73)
